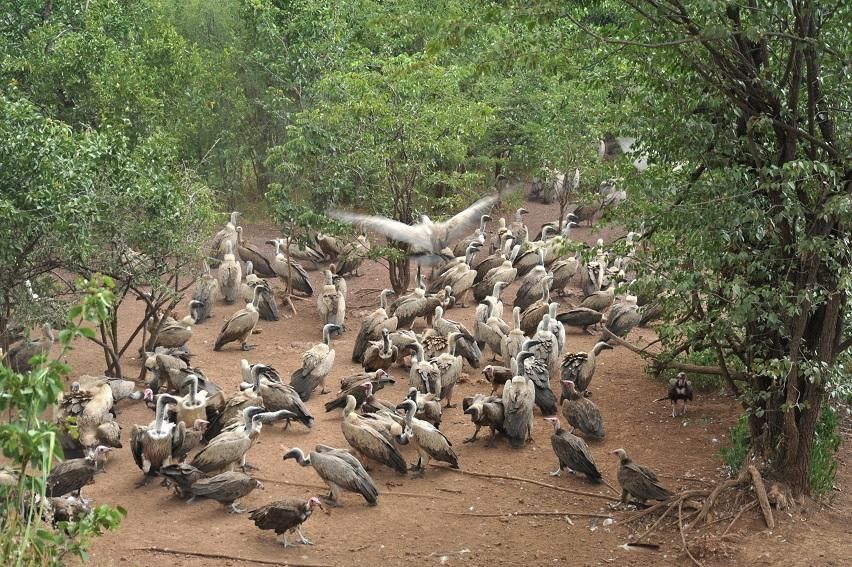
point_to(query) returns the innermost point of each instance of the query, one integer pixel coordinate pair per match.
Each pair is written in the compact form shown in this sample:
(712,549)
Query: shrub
(826,443)
(735,452)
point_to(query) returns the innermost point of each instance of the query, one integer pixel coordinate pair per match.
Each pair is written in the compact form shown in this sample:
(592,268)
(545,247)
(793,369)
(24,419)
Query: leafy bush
(31,444)
(734,454)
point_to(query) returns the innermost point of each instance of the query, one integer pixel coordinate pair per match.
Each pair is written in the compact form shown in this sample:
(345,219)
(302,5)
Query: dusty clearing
(419,521)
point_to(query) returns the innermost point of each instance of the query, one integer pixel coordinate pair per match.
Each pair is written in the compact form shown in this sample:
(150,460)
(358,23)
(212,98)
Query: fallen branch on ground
(682,535)
(762,498)
(531,481)
(227,557)
(325,489)
(742,511)
(508,514)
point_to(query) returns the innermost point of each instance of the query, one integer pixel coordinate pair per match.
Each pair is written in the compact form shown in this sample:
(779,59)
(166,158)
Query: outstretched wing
(417,235)
(458,226)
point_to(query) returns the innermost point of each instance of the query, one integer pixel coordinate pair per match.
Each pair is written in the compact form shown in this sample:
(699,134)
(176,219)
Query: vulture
(227,234)
(600,300)
(427,239)
(504,272)
(181,476)
(466,347)
(424,374)
(155,445)
(518,228)
(381,354)
(497,376)
(572,452)
(250,253)
(379,379)
(72,475)
(428,407)
(530,290)
(427,440)
(455,269)
(331,303)
(267,306)
(563,271)
(623,316)
(637,481)
(546,346)
(518,402)
(478,236)
(527,262)
(340,470)
(539,374)
(581,412)
(496,259)
(352,255)
(364,437)
(292,275)
(229,275)
(285,516)
(172,333)
(579,367)
(449,367)
(489,329)
(240,326)
(511,344)
(582,317)
(372,326)
(532,315)
(484,411)
(316,364)
(679,389)
(278,396)
(226,487)
(204,296)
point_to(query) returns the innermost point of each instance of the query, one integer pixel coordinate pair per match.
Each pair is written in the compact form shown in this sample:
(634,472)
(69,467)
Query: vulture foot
(247,347)
(302,538)
(331,502)
(234,509)
(470,439)
(245,467)
(286,543)
(450,406)
(557,472)
(143,481)
(324,392)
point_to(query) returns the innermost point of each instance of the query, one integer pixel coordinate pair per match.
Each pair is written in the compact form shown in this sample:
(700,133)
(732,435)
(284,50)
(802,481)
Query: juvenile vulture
(484,411)
(72,475)
(316,364)
(530,290)
(285,516)
(372,326)
(449,367)
(511,344)
(637,481)
(181,477)
(20,353)
(365,438)
(250,253)
(477,236)
(532,315)
(427,440)
(277,396)
(581,412)
(581,317)
(518,402)
(495,259)
(428,406)
(579,367)
(572,452)
(466,347)
(340,470)
(489,330)
(267,305)
(204,296)
(563,271)
(379,379)
(600,300)
(226,487)
(679,389)
(504,272)
(427,238)
(230,274)
(240,326)
(172,333)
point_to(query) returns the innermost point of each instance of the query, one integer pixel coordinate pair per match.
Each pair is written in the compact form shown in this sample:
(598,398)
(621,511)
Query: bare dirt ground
(418,521)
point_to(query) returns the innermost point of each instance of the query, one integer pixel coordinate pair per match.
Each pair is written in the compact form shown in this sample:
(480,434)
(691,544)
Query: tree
(381,136)
(747,206)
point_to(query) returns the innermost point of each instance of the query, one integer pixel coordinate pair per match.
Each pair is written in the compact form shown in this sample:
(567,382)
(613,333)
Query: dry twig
(531,481)
(742,511)
(682,535)
(509,514)
(228,557)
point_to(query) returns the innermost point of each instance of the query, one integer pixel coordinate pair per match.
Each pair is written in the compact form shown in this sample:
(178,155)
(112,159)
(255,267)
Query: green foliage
(734,453)
(30,444)
(827,441)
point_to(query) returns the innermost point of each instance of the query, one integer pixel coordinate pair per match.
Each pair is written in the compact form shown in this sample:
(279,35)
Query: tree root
(682,535)
(227,557)
(708,504)
(510,514)
(742,511)
(762,498)
(531,481)
(324,489)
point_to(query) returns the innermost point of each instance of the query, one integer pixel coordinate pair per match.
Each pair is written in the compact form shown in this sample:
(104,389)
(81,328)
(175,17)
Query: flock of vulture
(199,436)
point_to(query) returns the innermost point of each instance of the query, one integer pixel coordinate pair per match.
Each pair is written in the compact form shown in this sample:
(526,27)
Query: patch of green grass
(826,443)
(735,452)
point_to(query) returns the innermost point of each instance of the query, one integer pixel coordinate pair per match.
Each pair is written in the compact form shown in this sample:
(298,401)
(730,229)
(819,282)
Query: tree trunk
(400,275)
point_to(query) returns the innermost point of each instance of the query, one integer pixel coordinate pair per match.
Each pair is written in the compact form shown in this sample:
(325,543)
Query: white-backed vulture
(316,364)
(240,326)
(427,440)
(230,274)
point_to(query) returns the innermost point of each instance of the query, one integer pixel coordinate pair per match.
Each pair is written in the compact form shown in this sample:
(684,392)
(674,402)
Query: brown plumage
(532,315)
(181,477)
(72,475)
(428,406)
(637,481)
(581,317)
(579,367)
(427,440)
(20,353)
(572,452)
(369,441)
(240,326)
(484,411)
(379,379)
(497,376)
(340,470)
(250,253)
(226,488)
(679,389)
(154,446)
(380,354)
(581,412)
(372,326)
(284,516)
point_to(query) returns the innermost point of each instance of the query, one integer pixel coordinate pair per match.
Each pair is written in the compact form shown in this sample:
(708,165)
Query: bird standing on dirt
(316,364)
(679,389)
(572,452)
(340,470)
(72,475)
(286,516)
(637,481)
(226,488)
(581,412)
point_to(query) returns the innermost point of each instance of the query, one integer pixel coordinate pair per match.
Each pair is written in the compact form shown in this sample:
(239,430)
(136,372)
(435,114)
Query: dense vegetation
(122,122)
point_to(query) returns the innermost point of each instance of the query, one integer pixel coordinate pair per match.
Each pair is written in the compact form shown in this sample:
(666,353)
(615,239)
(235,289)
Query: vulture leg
(234,509)
(247,347)
(143,481)
(302,538)
(286,543)
(331,499)
(557,472)
(473,437)
(490,442)
(674,405)
(684,408)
